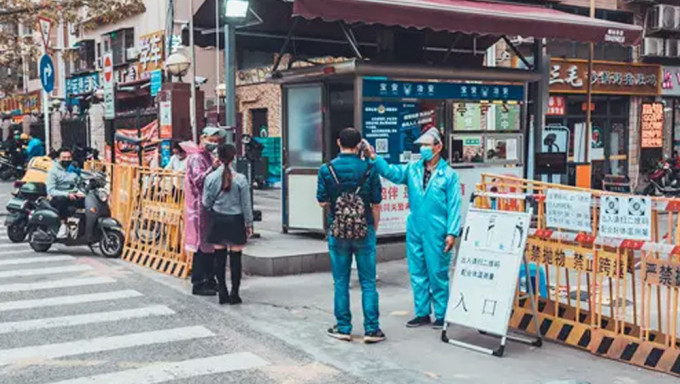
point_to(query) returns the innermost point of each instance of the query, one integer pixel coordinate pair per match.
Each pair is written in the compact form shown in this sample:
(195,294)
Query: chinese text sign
(568,210)
(626,217)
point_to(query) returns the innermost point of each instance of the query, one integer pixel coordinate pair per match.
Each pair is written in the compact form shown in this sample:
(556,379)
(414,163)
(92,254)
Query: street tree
(16,47)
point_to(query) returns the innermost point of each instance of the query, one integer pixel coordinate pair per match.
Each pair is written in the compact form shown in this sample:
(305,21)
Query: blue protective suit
(435,214)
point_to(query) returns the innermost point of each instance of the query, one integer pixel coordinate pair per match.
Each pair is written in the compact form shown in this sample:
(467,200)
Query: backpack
(350,211)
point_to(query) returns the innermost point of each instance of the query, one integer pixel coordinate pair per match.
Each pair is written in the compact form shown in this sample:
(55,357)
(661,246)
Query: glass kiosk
(483,122)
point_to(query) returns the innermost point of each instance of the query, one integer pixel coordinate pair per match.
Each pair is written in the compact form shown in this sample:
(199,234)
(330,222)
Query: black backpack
(350,211)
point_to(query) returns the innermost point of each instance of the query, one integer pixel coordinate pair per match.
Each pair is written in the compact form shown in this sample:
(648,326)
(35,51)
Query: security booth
(419,64)
(481,114)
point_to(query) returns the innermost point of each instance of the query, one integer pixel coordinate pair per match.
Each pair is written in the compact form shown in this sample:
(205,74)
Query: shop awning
(471,17)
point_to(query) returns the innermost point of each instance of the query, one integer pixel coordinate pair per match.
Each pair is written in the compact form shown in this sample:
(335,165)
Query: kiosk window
(304,126)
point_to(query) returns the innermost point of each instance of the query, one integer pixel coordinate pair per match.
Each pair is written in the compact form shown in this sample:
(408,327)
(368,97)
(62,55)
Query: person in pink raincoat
(200,163)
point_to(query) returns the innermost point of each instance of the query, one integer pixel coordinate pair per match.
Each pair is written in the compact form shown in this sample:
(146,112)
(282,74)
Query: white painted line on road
(66,300)
(164,372)
(45,271)
(101,344)
(87,318)
(15,245)
(64,283)
(39,259)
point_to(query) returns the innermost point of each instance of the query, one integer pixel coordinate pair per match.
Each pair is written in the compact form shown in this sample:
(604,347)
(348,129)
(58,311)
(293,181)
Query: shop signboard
(571,76)
(151,53)
(485,278)
(670,85)
(386,88)
(83,84)
(626,217)
(556,106)
(20,104)
(651,125)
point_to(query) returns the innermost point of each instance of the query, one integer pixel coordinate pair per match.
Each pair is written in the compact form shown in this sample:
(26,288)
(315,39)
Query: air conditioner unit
(677,19)
(131,54)
(662,17)
(652,47)
(672,48)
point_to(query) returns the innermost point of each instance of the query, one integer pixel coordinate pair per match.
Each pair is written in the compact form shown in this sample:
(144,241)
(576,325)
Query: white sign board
(109,85)
(626,217)
(487,268)
(394,209)
(568,210)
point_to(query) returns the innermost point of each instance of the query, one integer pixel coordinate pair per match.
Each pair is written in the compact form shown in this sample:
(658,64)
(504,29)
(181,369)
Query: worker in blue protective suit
(434,223)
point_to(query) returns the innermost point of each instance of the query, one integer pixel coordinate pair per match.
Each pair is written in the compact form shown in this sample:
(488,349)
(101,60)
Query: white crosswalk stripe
(16,245)
(64,283)
(88,318)
(163,372)
(67,300)
(39,259)
(45,271)
(101,344)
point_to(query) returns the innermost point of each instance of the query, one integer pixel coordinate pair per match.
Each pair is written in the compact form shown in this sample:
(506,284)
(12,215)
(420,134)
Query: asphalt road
(72,317)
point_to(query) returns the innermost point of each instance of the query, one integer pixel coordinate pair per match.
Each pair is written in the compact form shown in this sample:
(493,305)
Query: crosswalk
(58,308)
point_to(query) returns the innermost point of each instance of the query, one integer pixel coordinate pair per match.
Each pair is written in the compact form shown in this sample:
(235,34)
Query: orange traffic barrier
(615,296)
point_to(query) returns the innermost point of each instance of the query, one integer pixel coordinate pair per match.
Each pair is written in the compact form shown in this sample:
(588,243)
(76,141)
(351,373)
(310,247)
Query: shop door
(259,125)
(609,151)
(303,155)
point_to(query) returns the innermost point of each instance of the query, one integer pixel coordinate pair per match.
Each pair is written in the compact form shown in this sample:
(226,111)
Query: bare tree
(86,14)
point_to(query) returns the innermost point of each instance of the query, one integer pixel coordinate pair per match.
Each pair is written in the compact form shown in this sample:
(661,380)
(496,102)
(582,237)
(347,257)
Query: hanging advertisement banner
(127,153)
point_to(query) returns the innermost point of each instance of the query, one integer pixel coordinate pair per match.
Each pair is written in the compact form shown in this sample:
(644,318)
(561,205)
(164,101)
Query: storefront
(618,90)
(670,90)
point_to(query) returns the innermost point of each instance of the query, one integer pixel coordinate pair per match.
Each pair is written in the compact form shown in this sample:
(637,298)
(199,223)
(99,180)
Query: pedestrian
(433,224)
(351,188)
(200,164)
(226,195)
(178,160)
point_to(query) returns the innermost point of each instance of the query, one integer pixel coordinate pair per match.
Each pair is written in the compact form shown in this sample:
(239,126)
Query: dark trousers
(235,266)
(66,206)
(202,268)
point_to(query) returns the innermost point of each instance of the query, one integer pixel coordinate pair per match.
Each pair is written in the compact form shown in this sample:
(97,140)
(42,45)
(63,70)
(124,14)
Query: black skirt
(227,229)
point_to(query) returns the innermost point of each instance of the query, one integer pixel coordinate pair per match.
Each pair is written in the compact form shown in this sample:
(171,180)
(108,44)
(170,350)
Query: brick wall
(260,96)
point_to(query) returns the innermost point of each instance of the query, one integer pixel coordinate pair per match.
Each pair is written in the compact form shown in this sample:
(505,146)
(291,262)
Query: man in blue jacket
(434,196)
(345,174)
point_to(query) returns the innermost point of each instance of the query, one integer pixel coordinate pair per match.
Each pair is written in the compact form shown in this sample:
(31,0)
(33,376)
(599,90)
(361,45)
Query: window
(86,56)
(121,40)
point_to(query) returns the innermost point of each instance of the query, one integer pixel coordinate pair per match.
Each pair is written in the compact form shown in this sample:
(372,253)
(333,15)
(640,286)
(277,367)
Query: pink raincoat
(196,221)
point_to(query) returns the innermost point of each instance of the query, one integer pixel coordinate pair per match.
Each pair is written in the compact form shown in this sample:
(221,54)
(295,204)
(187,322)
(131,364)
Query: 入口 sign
(651,125)
(568,210)
(485,279)
(626,217)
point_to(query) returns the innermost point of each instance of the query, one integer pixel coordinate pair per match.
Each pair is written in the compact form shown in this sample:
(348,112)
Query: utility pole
(217,60)
(589,97)
(192,107)
(230,73)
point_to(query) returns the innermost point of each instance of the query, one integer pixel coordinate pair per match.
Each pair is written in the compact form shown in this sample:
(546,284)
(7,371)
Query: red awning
(472,17)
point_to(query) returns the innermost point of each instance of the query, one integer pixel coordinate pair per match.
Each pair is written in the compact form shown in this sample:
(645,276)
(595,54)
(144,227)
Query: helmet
(24,136)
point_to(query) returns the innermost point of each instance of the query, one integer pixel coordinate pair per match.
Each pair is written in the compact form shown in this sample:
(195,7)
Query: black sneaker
(438,324)
(334,333)
(418,321)
(374,337)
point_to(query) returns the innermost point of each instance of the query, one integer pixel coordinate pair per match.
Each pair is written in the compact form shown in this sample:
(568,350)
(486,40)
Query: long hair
(226,154)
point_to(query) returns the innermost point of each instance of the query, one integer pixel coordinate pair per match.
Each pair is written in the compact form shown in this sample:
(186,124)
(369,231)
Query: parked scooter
(663,180)
(88,226)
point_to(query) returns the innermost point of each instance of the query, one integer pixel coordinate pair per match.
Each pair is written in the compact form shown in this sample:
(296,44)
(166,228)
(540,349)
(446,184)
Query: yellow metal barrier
(150,204)
(614,298)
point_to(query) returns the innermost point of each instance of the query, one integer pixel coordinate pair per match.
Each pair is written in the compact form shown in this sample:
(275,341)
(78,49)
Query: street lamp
(177,65)
(237,9)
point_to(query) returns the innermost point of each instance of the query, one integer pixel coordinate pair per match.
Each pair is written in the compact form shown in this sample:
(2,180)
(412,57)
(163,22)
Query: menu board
(651,125)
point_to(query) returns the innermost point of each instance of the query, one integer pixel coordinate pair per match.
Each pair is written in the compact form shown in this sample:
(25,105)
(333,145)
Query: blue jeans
(341,252)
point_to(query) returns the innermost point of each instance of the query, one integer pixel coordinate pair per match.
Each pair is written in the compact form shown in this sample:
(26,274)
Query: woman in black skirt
(226,195)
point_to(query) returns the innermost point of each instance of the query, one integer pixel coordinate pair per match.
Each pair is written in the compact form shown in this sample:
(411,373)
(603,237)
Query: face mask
(426,153)
(211,147)
(65,163)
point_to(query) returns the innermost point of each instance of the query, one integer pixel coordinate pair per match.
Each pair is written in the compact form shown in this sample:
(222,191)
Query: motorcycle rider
(61,188)
(14,148)
(35,148)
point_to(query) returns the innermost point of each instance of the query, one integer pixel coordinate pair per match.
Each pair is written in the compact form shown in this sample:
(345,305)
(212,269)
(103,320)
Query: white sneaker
(63,231)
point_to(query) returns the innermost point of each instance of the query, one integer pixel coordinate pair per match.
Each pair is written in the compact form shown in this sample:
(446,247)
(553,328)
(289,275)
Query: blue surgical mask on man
(426,153)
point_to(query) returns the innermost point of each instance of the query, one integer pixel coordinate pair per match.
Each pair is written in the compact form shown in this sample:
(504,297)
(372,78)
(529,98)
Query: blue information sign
(47,73)
(156,80)
(386,88)
(392,127)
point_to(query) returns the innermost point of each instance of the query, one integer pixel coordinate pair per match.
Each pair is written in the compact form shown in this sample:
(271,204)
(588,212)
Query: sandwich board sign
(485,280)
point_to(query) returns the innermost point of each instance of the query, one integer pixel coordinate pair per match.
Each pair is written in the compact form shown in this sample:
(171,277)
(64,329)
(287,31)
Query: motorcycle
(9,169)
(663,180)
(19,207)
(87,226)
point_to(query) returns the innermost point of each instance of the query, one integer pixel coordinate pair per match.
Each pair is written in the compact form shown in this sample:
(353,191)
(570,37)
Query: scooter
(663,181)
(9,169)
(19,207)
(88,226)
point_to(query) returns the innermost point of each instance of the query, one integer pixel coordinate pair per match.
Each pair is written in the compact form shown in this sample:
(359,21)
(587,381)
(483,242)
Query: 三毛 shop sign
(571,76)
